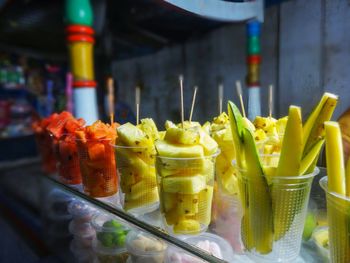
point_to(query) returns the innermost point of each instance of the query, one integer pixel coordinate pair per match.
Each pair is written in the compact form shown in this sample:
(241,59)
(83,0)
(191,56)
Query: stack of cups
(110,242)
(81,229)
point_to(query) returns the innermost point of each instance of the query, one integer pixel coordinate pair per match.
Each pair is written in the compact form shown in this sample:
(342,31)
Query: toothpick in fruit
(110,86)
(193,101)
(137,103)
(239,92)
(181,80)
(220,95)
(270,100)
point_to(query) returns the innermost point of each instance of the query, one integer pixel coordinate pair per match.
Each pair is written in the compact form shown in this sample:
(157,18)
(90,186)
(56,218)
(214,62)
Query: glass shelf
(150,225)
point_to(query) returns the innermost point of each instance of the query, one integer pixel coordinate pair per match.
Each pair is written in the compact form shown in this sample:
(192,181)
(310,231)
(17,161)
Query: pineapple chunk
(127,158)
(148,126)
(188,124)
(210,146)
(149,198)
(259,135)
(165,149)
(182,136)
(187,204)
(162,135)
(141,188)
(204,205)
(187,226)
(264,123)
(221,119)
(130,135)
(228,181)
(169,124)
(184,184)
(127,176)
(281,125)
(171,217)
(206,127)
(169,201)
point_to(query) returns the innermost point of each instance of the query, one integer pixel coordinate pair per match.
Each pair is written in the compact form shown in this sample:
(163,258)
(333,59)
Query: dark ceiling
(124,28)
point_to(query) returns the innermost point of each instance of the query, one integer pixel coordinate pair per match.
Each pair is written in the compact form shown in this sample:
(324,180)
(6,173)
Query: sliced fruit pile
(185,172)
(135,158)
(220,131)
(97,161)
(112,235)
(62,128)
(264,220)
(43,141)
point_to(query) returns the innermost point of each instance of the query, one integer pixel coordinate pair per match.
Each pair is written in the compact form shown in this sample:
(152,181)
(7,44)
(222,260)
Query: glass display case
(79,228)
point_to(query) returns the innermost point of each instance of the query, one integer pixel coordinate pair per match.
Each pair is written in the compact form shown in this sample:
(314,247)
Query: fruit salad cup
(186,193)
(69,170)
(49,161)
(98,168)
(137,179)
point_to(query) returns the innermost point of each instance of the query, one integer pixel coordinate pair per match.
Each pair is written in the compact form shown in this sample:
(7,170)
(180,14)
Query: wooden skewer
(270,100)
(193,102)
(110,86)
(137,102)
(181,80)
(220,95)
(239,91)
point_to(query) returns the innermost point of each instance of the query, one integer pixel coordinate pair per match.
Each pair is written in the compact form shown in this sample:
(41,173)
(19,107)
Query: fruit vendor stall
(174,131)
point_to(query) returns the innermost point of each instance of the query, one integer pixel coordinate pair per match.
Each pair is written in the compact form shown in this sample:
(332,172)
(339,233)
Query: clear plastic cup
(98,169)
(108,255)
(145,248)
(68,162)
(338,213)
(227,221)
(48,158)
(137,179)
(274,211)
(209,243)
(186,188)
(81,211)
(84,233)
(110,233)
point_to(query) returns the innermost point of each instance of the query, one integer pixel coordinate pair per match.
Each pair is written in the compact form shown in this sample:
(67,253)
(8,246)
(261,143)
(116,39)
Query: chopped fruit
(182,136)
(187,226)
(166,149)
(184,184)
(135,154)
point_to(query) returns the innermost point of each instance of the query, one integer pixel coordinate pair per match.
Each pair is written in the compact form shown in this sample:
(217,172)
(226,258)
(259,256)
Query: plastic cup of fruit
(98,169)
(81,211)
(109,232)
(68,166)
(279,213)
(210,243)
(108,255)
(81,254)
(338,213)
(48,158)
(84,233)
(321,239)
(145,248)
(137,179)
(226,221)
(186,193)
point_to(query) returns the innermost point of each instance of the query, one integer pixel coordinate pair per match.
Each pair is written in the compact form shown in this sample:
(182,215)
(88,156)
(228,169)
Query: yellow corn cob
(289,163)
(335,159)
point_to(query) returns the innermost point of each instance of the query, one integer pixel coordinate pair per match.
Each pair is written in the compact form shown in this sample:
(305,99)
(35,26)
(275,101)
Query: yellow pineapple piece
(150,197)
(229,181)
(169,124)
(166,149)
(259,135)
(281,125)
(184,184)
(171,217)
(205,204)
(182,136)
(148,126)
(130,135)
(188,124)
(162,135)
(141,188)
(187,226)
(169,201)
(209,145)
(187,204)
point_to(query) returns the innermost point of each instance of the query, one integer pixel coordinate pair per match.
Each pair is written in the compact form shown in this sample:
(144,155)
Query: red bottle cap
(79,29)
(84,84)
(80,38)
